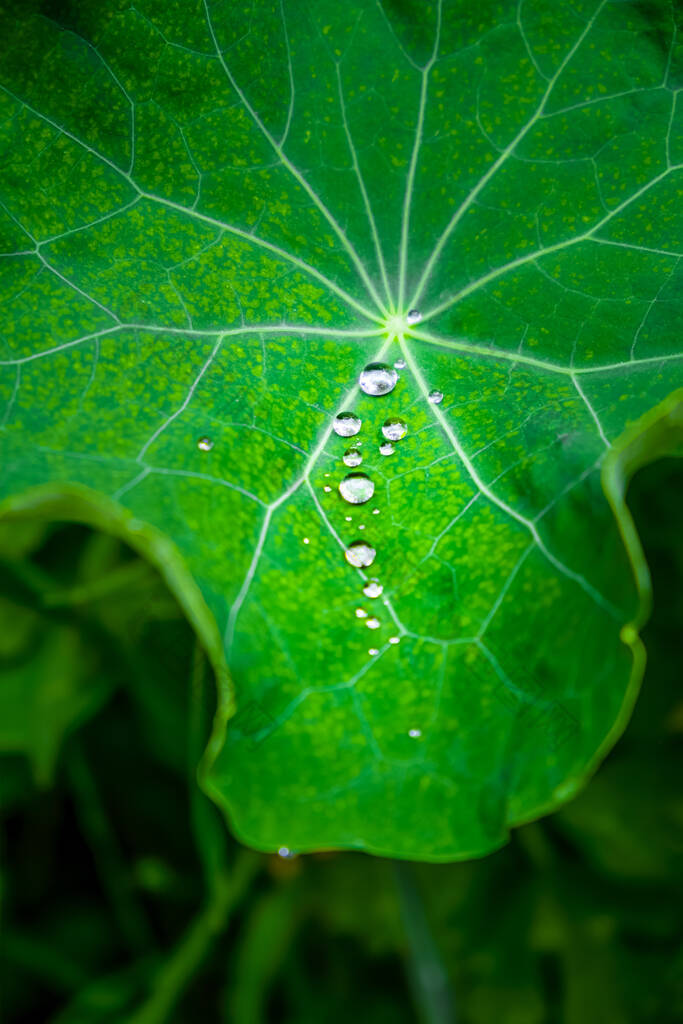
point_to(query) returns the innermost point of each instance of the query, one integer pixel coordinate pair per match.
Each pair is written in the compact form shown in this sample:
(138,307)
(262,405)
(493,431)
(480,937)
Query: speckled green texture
(212,216)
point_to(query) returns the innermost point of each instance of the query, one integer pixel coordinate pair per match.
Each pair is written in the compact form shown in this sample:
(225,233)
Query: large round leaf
(213,216)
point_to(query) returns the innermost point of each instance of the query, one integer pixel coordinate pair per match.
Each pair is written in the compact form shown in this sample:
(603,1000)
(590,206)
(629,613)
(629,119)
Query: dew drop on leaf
(373,651)
(205,444)
(394,639)
(394,429)
(413,316)
(373,588)
(356,488)
(435,397)
(400,364)
(285,852)
(346,424)
(327,488)
(375,511)
(352,457)
(386,448)
(372,622)
(360,553)
(361,613)
(378,379)
(415,733)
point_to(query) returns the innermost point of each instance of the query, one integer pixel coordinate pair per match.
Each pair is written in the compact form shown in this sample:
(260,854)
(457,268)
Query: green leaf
(213,216)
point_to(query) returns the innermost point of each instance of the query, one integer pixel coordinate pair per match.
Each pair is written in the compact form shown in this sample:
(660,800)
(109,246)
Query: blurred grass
(123,898)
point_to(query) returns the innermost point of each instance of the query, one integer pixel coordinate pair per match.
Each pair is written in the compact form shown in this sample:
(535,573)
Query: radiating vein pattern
(212,217)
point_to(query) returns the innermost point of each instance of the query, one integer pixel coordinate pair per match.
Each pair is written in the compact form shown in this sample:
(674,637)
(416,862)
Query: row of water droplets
(357,488)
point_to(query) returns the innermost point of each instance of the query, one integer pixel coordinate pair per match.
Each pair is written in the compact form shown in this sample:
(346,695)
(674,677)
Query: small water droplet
(356,488)
(413,316)
(377,379)
(306,540)
(361,613)
(352,457)
(285,852)
(327,488)
(372,651)
(415,733)
(375,511)
(359,553)
(205,444)
(386,448)
(346,424)
(373,588)
(400,364)
(435,397)
(372,622)
(361,526)
(394,429)
(394,639)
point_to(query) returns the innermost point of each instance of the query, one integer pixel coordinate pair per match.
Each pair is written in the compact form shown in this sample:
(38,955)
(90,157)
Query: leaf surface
(213,216)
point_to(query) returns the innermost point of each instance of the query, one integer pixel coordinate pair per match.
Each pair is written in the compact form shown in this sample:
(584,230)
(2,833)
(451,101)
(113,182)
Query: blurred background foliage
(123,897)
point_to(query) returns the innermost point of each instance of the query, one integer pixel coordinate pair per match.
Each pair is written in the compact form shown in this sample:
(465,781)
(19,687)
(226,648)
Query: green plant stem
(175,973)
(109,861)
(429,981)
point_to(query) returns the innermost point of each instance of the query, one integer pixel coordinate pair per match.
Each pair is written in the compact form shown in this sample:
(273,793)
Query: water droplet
(400,364)
(373,651)
(386,448)
(361,526)
(348,518)
(372,622)
(361,613)
(327,488)
(415,733)
(375,511)
(306,540)
(359,553)
(394,429)
(205,444)
(285,852)
(373,588)
(356,488)
(346,424)
(394,639)
(352,457)
(435,397)
(377,379)
(413,316)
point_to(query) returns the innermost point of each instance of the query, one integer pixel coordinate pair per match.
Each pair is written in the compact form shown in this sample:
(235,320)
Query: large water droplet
(352,457)
(372,622)
(359,553)
(346,424)
(378,379)
(394,429)
(435,397)
(413,316)
(400,364)
(356,488)
(386,448)
(373,588)
(205,444)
